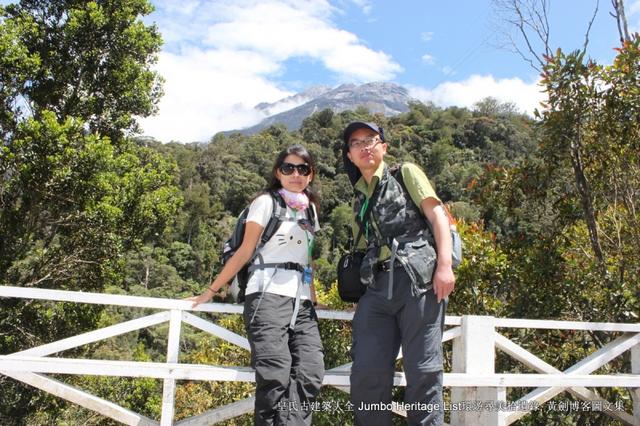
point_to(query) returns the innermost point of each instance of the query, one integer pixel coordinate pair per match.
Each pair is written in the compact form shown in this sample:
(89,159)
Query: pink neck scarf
(296,200)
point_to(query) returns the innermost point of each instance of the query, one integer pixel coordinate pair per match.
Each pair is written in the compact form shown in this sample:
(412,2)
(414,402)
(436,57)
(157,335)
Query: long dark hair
(300,151)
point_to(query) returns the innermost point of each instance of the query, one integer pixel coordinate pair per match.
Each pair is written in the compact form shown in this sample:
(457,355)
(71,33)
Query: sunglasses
(306,225)
(288,169)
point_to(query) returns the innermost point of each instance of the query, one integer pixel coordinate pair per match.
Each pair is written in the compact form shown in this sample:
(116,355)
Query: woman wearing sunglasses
(279,314)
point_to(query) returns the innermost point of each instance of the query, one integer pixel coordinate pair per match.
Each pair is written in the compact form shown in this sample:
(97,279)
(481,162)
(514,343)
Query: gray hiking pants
(380,327)
(289,363)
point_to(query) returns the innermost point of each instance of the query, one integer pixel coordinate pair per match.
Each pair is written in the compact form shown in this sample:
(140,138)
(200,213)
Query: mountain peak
(378,97)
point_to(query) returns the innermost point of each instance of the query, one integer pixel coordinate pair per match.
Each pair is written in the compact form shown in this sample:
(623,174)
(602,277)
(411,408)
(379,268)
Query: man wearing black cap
(408,281)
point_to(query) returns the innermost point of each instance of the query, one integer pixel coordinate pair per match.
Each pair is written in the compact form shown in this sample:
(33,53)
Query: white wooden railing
(478,394)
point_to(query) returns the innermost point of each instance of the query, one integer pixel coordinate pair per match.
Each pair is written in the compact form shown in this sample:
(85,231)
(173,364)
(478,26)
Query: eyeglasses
(288,169)
(368,142)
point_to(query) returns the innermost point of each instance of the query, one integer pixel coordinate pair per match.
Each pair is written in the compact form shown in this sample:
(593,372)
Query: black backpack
(456,240)
(278,215)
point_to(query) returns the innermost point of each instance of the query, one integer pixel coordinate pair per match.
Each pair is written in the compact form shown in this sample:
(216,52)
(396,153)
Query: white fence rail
(473,378)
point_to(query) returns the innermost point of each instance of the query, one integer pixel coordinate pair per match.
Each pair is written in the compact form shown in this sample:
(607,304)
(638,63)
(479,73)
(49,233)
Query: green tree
(566,217)
(592,127)
(71,206)
(75,193)
(88,59)
(17,65)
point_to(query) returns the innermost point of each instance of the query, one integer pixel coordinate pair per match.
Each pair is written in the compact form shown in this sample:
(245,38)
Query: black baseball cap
(352,127)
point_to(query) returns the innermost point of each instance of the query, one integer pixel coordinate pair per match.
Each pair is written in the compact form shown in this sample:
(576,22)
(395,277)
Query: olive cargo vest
(397,222)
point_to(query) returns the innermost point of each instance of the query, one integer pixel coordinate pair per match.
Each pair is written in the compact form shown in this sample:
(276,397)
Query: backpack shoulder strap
(311,214)
(278,213)
(396,172)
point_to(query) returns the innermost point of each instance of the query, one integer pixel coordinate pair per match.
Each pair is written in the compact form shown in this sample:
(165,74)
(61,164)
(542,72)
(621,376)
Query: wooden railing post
(474,353)
(173,352)
(635,392)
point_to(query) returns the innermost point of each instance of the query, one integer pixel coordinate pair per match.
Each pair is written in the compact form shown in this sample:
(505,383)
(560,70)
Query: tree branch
(586,35)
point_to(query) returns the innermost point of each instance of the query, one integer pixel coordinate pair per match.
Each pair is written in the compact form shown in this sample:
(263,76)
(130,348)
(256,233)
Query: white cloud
(428,59)
(210,91)
(181,7)
(285,105)
(426,36)
(282,31)
(221,57)
(365,5)
(447,70)
(431,61)
(526,96)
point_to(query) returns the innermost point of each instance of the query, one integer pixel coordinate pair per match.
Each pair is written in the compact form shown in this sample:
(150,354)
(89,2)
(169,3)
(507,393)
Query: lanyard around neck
(361,215)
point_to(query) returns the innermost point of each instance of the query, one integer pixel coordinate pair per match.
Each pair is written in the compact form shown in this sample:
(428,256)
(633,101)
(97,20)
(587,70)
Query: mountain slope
(386,98)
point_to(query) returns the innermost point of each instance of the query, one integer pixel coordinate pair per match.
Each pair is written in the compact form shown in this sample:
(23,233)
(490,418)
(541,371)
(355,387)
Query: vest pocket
(420,257)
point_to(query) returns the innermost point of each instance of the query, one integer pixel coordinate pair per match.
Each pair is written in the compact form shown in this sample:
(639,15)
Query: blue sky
(222,57)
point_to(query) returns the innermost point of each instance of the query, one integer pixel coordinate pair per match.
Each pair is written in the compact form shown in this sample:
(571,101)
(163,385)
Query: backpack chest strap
(289,266)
